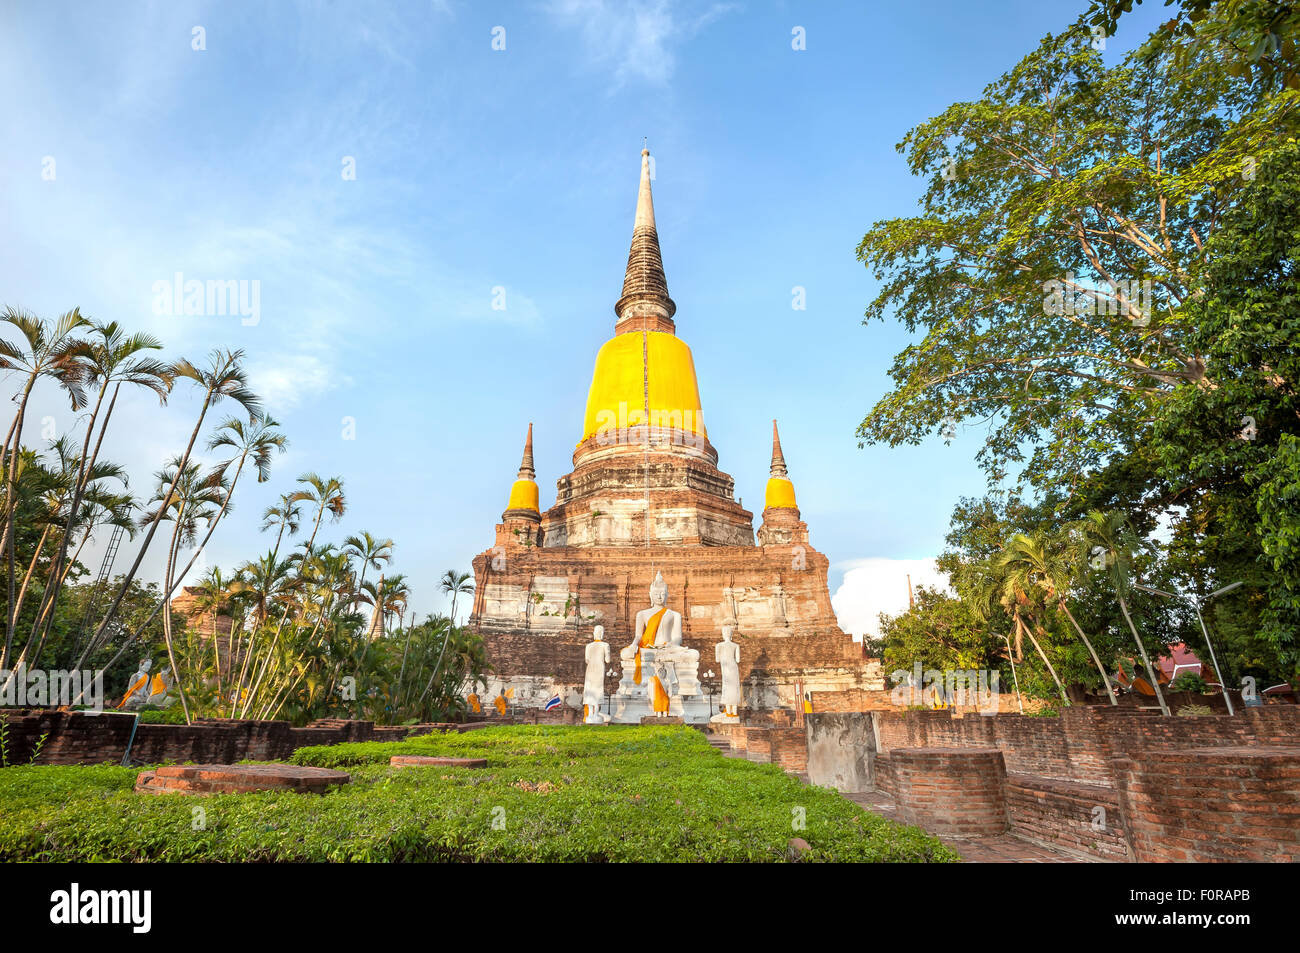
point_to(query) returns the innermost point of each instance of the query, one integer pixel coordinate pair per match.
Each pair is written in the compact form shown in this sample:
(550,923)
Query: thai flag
(553,703)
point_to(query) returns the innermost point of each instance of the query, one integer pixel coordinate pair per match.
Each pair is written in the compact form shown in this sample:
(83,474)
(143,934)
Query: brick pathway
(1004,849)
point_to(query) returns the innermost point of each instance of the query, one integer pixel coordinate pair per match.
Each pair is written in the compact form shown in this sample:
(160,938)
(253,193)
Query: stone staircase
(721,745)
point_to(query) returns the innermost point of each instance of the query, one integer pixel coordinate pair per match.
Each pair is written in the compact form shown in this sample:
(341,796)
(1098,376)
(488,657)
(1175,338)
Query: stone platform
(237,779)
(428,761)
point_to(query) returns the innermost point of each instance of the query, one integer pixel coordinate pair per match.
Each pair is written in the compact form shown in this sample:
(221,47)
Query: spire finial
(644,304)
(526,471)
(778,458)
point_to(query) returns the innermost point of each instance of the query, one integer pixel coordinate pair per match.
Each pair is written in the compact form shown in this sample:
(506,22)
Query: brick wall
(789,748)
(78,738)
(1212,804)
(1065,815)
(853,699)
(960,792)
(1080,743)
(785,745)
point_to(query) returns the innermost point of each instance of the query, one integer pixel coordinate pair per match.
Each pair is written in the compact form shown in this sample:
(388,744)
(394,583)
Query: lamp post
(1223,689)
(1014,677)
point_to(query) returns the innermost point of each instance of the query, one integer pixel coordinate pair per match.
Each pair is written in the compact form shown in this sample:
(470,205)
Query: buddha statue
(593,687)
(727,654)
(160,687)
(137,692)
(656,663)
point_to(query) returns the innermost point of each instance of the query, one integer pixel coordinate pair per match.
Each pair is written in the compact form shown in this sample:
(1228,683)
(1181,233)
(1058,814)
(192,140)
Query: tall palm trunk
(172,547)
(11,510)
(148,539)
(79,489)
(1020,623)
(1155,675)
(31,568)
(451,627)
(1091,651)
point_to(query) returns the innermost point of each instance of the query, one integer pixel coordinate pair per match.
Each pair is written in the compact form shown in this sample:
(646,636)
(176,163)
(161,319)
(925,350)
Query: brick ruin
(50,736)
(1097,783)
(646,496)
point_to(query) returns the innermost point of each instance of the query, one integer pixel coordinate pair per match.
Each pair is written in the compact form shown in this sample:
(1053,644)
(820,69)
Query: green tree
(1047,199)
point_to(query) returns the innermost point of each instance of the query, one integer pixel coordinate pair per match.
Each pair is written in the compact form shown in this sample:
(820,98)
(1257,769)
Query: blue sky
(475,169)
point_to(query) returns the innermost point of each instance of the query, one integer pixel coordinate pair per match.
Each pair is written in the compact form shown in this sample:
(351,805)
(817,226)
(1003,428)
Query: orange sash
(647,640)
(660,702)
(139,683)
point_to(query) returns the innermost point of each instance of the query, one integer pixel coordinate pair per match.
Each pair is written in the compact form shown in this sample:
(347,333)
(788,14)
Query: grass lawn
(549,793)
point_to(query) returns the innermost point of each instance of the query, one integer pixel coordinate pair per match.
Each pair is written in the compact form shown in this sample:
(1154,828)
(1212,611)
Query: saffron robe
(658,694)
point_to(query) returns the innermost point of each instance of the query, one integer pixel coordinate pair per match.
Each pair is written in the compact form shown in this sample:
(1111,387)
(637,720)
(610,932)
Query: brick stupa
(650,499)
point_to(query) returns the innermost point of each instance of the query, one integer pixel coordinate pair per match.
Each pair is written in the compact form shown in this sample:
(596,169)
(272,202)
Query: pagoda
(646,497)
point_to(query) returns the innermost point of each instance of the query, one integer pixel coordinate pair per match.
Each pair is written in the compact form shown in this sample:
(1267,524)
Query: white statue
(727,654)
(593,688)
(159,687)
(137,692)
(657,646)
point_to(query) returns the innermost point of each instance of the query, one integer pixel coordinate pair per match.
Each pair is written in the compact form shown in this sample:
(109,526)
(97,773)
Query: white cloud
(634,38)
(283,381)
(873,586)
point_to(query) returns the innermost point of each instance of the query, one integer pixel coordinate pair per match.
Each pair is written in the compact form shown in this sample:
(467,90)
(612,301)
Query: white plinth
(630,710)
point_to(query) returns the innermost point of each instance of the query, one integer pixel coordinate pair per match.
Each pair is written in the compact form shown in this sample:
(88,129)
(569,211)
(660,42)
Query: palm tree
(256,440)
(373,553)
(1043,567)
(189,498)
(93,491)
(1111,534)
(396,594)
(112,358)
(214,597)
(265,582)
(1015,585)
(322,495)
(286,515)
(44,351)
(224,377)
(455,584)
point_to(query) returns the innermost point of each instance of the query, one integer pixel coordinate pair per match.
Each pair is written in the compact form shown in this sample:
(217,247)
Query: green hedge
(563,794)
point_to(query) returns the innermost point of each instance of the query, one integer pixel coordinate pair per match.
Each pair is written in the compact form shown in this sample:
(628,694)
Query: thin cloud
(635,39)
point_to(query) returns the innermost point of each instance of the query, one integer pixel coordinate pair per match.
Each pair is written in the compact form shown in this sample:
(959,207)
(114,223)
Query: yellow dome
(523,496)
(780,493)
(617,396)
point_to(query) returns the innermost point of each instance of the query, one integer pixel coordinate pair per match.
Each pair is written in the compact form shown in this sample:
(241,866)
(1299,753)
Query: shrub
(557,793)
(1189,682)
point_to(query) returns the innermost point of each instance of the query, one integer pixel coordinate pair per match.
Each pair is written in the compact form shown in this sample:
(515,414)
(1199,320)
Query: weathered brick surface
(608,586)
(428,761)
(960,792)
(238,779)
(1079,744)
(1067,815)
(79,738)
(1212,804)
(854,699)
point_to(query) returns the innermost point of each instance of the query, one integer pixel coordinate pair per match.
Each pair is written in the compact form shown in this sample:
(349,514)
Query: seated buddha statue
(656,659)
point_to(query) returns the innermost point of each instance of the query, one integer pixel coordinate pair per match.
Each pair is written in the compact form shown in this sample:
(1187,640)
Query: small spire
(645,288)
(526,471)
(778,458)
